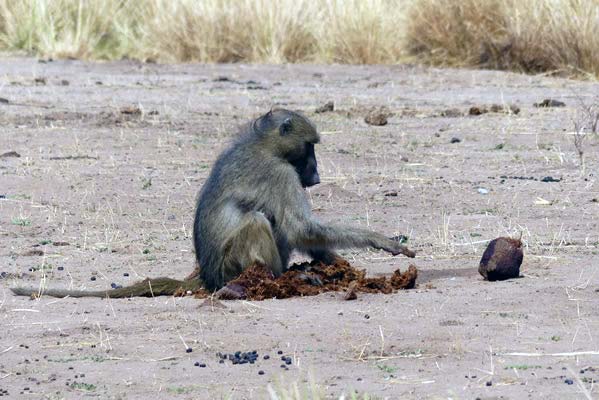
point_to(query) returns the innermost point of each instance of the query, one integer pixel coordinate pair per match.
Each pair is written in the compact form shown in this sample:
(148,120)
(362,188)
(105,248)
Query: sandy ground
(97,193)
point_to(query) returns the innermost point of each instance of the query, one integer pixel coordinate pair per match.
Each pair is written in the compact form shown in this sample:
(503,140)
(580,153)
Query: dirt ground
(112,156)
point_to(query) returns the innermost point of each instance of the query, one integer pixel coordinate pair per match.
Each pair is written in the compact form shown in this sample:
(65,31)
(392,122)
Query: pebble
(188,350)
(483,191)
(260,372)
(569,381)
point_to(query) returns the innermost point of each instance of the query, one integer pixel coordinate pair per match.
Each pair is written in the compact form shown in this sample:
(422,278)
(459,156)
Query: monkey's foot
(232,291)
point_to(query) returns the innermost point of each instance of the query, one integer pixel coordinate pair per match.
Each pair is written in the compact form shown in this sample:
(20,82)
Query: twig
(570,354)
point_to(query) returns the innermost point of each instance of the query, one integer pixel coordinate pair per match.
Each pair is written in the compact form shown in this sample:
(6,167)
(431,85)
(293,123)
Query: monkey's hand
(395,247)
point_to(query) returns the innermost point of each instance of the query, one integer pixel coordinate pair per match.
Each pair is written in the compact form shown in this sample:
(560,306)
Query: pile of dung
(308,279)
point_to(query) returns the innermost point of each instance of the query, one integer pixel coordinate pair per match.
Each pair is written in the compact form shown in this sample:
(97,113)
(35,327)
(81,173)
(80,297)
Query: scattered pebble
(10,154)
(188,350)
(351,293)
(550,103)
(367,316)
(455,140)
(494,108)
(452,113)
(60,268)
(550,179)
(126,274)
(569,381)
(131,110)
(260,372)
(115,285)
(326,107)
(93,278)
(266,357)
(489,383)
(378,116)
(240,357)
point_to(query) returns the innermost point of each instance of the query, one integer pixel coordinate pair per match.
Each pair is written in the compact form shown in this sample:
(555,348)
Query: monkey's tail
(146,288)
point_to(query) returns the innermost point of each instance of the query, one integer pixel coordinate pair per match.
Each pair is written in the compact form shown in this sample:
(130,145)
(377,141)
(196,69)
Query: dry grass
(531,36)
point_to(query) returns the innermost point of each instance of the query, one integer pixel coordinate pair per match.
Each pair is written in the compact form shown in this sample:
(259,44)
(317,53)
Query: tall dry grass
(531,36)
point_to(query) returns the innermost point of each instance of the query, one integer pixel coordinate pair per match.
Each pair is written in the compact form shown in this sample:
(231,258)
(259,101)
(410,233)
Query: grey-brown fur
(253,208)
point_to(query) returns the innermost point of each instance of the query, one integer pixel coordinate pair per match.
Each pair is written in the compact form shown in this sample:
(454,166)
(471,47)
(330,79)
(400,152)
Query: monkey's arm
(316,235)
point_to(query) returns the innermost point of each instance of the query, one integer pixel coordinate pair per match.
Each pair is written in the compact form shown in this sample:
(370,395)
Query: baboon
(253,210)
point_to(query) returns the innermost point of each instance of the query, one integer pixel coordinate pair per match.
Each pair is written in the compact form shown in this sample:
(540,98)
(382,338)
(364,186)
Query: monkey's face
(292,136)
(307,168)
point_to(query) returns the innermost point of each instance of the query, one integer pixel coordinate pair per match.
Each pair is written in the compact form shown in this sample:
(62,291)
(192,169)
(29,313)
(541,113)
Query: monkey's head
(292,137)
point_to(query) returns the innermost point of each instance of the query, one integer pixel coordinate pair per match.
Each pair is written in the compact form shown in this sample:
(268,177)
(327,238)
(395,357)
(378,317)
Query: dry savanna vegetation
(555,36)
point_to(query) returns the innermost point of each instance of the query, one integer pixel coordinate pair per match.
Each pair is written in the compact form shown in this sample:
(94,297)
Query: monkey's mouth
(314,180)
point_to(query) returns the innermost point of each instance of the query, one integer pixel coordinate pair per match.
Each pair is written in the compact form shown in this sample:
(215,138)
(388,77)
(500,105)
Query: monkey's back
(241,180)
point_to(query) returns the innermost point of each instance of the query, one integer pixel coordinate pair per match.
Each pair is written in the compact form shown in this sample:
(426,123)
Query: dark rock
(455,140)
(502,259)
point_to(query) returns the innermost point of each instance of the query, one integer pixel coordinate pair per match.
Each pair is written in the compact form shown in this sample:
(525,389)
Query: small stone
(260,372)
(327,107)
(550,103)
(489,383)
(378,116)
(126,274)
(455,140)
(197,364)
(93,278)
(188,350)
(266,357)
(569,381)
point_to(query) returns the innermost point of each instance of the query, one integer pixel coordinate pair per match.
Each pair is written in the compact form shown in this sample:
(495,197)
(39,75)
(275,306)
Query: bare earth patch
(104,189)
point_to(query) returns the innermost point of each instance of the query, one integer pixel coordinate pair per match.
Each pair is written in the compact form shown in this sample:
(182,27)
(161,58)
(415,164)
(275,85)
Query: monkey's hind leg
(251,243)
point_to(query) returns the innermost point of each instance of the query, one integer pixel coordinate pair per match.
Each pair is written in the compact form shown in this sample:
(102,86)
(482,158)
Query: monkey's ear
(285,127)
